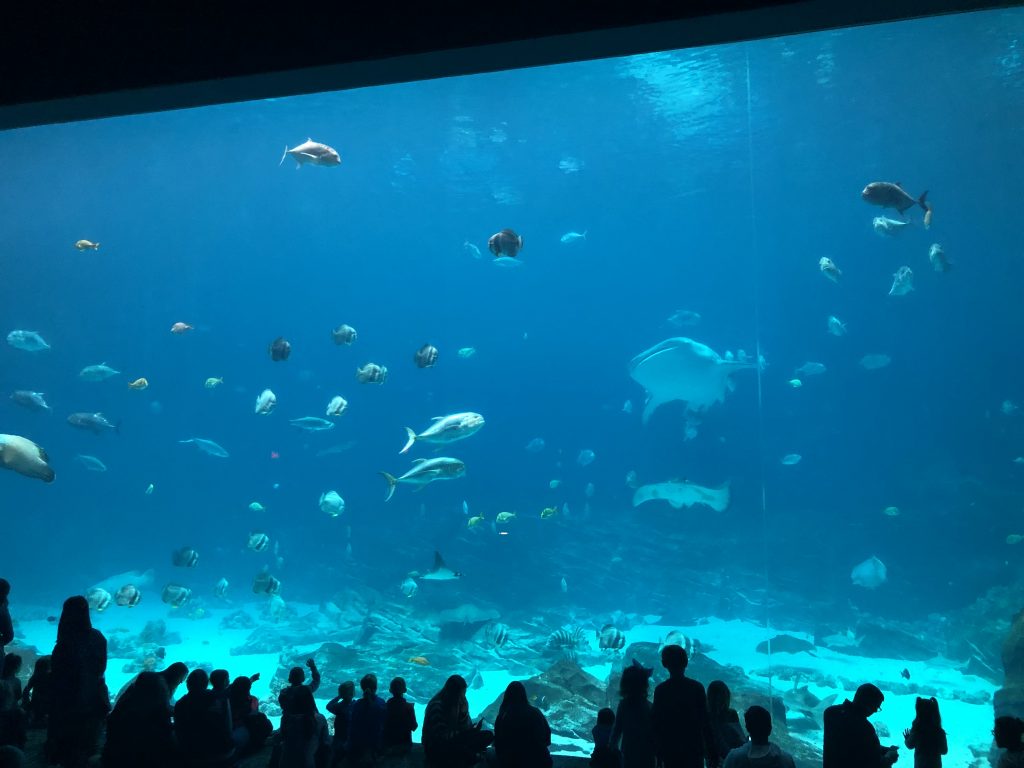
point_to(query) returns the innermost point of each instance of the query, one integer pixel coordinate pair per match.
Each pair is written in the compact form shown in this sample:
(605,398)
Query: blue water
(712,180)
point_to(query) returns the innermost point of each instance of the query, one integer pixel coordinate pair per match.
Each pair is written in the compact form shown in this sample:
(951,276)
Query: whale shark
(683,369)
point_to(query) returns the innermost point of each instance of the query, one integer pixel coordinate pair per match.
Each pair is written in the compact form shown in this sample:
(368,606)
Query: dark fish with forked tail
(96,423)
(34,401)
(886,194)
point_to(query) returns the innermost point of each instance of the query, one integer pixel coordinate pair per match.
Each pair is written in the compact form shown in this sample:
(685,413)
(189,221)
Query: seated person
(758,751)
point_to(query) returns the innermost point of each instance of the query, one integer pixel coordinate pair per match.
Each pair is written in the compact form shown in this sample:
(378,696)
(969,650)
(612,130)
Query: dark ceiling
(64,61)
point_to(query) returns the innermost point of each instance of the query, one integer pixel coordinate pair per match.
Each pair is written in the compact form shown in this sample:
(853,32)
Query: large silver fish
(97,372)
(34,401)
(30,341)
(312,152)
(424,472)
(312,424)
(207,446)
(96,423)
(446,429)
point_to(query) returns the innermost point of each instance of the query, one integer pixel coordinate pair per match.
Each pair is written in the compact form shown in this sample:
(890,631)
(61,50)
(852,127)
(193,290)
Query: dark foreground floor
(34,753)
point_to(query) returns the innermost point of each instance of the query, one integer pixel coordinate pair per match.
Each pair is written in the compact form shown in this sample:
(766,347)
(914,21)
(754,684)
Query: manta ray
(683,369)
(683,494)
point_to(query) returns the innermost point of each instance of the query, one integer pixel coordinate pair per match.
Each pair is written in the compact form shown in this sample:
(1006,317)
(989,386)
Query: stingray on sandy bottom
(683,494)
(683,369)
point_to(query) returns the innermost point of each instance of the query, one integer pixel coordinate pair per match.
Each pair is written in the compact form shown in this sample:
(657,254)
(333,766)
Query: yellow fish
(140,383)
(473,522)
(548,512)
(212,383)
(87,245)
(1014,538)
(421,660)
(504,517)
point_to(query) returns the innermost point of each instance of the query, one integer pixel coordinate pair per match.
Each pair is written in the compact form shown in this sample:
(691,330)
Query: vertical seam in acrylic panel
(759,368)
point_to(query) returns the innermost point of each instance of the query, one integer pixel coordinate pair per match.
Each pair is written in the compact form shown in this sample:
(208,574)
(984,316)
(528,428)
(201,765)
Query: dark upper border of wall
(62,61)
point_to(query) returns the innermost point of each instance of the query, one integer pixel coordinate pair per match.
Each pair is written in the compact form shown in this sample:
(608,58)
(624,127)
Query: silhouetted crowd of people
(217,721)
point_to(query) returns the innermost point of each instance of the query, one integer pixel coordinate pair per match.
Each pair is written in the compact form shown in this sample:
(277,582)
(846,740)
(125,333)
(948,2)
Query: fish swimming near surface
(573,237)
(409,587)
(312,424)
(34,401)
(313,153)
(791,458)
(186,557)
(874,361)
(213,382)
(139,384)
(21,455)
(343,335)
(424,472)
(28,341)
(206,446)
(683,369)
(610,638)
(439,571)
(179,328)
(337,406)
(938,258)
(265,584)
(175,595)
(98,598)
(91,463)
(505,244)
(86,245)
(128,596)
(871,574)
(566,638)
(902,282)
(466,352)
(887,194)
(96,423)
(426,356)
(99,372)
(279,349)
(265,403)
(683,494)
(371,373)
(446,429)
(888,227)
(829,269)
(331,503)
(220,589)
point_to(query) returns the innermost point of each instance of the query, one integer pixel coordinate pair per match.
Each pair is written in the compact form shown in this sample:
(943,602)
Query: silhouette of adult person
(6,625)
(633,732)
(303,732)
(80,699)
(925,735)
(399,723)
(202,724)
(725,723)
(521,732)
(450,740)
(1009,735)
(297,677)
(850,740)
(366,724)
(139,731)
(759,752)
(682,728)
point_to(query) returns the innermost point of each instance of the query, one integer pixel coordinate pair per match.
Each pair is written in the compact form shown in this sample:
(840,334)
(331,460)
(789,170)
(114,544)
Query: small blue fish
(572,237)
(791,458)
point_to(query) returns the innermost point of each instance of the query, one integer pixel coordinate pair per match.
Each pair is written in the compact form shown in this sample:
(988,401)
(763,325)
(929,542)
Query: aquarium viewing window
(525,374)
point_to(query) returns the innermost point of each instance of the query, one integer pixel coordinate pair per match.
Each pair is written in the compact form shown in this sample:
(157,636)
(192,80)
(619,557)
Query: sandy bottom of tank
(733,642)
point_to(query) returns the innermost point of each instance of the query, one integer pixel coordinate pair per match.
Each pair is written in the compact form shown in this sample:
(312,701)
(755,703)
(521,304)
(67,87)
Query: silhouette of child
(603,755)
(36,696)
(925,736)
